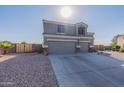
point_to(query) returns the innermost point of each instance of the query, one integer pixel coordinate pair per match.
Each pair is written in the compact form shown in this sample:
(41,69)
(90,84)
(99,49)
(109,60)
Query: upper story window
(81,31)
(61,28)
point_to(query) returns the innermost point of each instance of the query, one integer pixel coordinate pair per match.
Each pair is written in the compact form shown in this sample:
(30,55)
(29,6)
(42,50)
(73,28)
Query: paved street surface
(26,70)
(89,70)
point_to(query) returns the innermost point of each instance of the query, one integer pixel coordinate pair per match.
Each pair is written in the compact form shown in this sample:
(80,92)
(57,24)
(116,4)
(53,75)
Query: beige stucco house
(120,40)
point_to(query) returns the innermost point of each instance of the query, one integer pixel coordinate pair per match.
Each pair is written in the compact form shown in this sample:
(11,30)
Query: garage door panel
(61,47)
(84,47)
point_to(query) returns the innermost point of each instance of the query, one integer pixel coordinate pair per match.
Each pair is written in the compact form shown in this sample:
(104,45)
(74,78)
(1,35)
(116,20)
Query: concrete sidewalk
(117,55)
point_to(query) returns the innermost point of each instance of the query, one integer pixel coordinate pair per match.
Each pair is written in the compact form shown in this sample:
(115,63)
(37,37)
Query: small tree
(114,42)
(5,45)
(23,42)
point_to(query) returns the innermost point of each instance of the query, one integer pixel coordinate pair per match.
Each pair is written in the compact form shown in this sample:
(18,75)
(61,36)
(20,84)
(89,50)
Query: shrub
(116,48)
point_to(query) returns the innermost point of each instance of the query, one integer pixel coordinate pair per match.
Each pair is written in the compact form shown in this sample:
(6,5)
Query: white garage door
(84,47)
(61,47)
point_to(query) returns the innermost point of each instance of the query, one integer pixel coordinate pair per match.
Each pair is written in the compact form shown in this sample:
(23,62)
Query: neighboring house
(120,40)
(63,38)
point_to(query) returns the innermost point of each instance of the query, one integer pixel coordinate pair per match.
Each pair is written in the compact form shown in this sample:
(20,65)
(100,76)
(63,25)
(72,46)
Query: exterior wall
(37,48)
(1,51)
(70,30)
(51,28)
(120,41)
(67,38)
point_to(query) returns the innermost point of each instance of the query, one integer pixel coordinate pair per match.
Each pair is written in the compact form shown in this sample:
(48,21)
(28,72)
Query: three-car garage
(60,47)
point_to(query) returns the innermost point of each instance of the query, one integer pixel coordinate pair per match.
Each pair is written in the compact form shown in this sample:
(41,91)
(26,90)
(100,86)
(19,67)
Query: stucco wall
(50,28)
(120,41)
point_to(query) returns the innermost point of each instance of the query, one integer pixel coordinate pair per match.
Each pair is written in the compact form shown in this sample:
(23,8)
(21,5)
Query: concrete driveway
(87,70)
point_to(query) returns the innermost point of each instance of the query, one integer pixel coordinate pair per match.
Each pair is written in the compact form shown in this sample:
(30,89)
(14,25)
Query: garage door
(61,47)
(84,47)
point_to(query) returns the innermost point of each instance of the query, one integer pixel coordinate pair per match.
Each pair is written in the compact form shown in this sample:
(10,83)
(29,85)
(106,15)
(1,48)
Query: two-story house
(65,38)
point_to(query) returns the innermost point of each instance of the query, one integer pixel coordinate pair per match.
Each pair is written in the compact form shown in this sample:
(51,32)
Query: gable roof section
(57,22)
(82,24)
(64,23)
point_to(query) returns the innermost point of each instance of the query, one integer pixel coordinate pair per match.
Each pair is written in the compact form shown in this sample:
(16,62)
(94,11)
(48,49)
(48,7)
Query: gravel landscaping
(26,70)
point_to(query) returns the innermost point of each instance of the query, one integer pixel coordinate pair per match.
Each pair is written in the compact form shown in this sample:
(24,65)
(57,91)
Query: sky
(24,23)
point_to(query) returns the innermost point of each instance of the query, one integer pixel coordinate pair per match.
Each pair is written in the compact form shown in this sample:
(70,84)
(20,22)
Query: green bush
(117,47)
(5,45)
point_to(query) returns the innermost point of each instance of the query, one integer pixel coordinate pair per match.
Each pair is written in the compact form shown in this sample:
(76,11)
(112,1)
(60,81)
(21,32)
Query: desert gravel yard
(26,70)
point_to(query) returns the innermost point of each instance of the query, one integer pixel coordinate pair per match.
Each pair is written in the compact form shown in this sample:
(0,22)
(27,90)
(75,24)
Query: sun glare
(66,11)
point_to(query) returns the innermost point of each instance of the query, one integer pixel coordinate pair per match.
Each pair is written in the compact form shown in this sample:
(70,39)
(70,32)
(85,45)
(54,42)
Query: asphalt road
(88,70)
